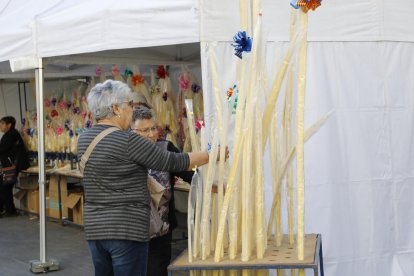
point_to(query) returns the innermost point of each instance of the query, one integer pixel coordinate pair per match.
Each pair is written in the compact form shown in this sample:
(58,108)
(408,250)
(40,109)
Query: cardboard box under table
(28,194)
(74,202)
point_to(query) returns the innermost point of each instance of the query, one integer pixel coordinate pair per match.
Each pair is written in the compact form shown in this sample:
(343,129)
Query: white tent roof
(335,20)
(56,28)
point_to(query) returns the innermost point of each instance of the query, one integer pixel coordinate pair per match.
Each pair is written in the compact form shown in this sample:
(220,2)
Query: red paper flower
(59,130)
(161,73)
(54,113)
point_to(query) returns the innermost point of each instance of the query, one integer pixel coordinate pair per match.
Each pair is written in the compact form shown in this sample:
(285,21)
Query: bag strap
(91,147)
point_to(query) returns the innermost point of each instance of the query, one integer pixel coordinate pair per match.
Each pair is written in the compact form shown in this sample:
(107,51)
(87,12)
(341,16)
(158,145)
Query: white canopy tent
(359,166)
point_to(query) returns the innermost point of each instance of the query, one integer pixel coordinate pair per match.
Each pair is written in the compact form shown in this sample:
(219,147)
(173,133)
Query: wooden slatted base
(282,257)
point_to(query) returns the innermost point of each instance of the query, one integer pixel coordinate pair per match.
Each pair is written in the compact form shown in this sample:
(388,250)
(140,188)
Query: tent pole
(42,265)
(41,158)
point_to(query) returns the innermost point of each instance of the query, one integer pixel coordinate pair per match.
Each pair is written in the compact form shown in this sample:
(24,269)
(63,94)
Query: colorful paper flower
(128,72)
(98,71)
(198,125)
(54,113)
(75,110)
(230,91)
(165,96)
(62,104)
(54,101)
(137,79)
(88,124)
(67,124)
(47,102)
(71,133)
(183,82)
(195,88)
(83,114)
(161,73)
(242,43)
(59,130)
(115,70)
(306,5)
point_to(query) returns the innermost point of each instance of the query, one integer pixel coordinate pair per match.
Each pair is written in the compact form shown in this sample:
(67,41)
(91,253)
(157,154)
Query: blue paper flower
(242,43)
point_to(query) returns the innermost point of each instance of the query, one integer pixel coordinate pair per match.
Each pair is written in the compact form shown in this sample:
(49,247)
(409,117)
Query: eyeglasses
(146,130)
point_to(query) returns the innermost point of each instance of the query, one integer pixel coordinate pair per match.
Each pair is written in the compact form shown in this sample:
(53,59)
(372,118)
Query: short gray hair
(103,95)
(142,113)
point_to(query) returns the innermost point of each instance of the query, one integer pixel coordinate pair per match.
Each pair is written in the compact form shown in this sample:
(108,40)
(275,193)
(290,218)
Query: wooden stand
(282,257)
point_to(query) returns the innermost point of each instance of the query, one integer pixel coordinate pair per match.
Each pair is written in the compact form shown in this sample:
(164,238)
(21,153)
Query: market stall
(357,167)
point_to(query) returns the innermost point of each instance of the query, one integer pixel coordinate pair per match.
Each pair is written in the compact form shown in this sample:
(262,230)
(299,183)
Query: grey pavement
(19,243)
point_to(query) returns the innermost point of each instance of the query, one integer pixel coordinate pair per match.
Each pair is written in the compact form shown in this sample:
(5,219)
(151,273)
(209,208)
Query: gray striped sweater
(115,183)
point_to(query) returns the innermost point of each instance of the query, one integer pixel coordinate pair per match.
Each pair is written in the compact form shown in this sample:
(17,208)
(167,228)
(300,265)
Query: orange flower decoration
(137,79)
(307,5)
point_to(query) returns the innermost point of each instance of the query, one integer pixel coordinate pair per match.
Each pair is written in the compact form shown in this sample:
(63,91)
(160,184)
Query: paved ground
(19,243)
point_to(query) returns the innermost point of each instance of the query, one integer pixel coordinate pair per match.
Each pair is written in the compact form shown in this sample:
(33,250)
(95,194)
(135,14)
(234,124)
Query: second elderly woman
(116,211)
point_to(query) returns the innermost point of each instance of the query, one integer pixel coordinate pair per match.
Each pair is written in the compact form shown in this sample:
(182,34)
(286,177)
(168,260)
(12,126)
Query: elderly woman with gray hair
(159,252)
(116,211)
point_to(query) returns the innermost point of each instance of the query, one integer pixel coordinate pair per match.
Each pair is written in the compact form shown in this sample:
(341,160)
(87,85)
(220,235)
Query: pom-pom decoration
(54,101)
(76,110)
(242,43)
(136,79)
(83,114)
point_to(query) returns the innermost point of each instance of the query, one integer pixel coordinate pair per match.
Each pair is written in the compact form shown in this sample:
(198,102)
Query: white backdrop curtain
(359,167)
